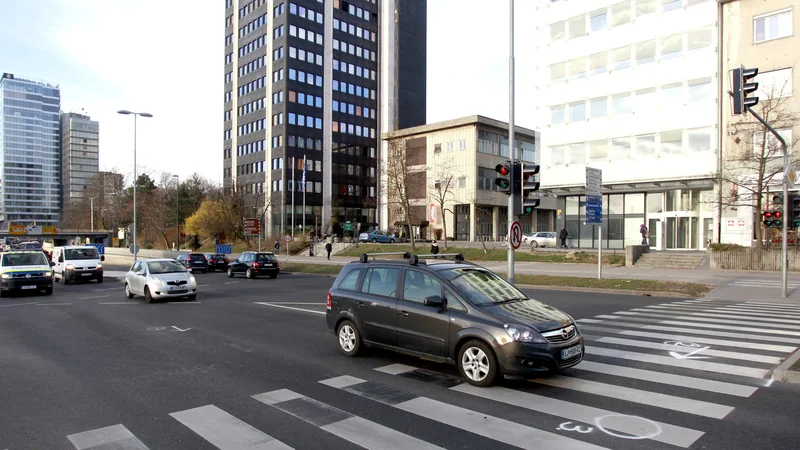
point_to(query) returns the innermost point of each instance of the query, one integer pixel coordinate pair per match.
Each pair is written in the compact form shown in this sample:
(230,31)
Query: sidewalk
(733,286)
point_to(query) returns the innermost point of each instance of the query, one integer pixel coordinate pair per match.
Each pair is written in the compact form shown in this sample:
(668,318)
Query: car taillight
(255,264)
(330,300)
(227,261)
(213,261)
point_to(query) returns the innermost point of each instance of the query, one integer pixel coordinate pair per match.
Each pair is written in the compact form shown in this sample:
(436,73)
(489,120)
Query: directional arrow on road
(178,329)
(689,355)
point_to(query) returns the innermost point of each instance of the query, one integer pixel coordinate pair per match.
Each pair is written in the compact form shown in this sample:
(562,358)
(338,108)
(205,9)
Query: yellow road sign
(16,230)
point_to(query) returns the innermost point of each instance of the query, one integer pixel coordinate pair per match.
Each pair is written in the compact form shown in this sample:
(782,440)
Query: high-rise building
(31,147)
(80,137)
(318,81)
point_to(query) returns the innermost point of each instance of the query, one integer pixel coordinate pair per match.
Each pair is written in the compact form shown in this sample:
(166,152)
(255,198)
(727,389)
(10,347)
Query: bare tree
(753,168)
(240,201)
(398,179)
(441,189)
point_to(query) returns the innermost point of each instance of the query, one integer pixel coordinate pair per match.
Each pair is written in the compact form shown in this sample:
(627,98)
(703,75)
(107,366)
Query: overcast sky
(166,58)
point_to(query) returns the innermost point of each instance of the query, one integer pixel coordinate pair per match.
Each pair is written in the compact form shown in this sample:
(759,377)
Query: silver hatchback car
(157,279)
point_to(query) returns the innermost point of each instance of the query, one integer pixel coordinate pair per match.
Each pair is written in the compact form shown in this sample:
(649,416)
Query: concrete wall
(633,252)
(753,259)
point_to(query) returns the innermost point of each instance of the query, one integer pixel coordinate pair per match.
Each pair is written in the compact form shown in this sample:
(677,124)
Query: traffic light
(504,180)
(794,207)
(767,219)
(777,210)
(529,186)
(744,85)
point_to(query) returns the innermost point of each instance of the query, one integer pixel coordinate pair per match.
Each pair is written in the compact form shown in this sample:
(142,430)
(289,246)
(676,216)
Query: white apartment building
(631,87)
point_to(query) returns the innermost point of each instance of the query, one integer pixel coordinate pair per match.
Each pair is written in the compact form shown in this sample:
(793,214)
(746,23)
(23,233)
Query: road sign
(515,235)
(134,251)
(252,226)
(225,249)
(115,242)
(348,226)
(101,249)
(791,176)
(16,230)
(287,238)
(48,230)
(594,197)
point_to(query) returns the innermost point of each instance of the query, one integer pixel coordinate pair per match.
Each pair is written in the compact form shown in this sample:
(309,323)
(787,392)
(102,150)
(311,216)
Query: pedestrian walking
(277,246)
(329,249)
(435,249)
(563,236)
(643,230)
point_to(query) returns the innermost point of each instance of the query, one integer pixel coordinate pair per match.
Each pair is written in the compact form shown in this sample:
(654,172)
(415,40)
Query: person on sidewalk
(435,249)
(563,236)
(277,247)
(643,230)
(329,249)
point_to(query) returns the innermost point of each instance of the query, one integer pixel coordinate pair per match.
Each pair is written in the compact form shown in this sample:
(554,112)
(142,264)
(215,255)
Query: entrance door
(682,233)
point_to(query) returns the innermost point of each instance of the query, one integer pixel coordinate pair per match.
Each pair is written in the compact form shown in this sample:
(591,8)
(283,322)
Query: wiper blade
(510,300)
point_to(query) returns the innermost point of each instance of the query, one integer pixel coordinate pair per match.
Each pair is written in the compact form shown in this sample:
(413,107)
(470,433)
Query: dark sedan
(195,261)
(217,261)
(452,312)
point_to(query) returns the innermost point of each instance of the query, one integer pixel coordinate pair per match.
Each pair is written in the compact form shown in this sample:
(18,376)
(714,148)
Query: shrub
(725,247)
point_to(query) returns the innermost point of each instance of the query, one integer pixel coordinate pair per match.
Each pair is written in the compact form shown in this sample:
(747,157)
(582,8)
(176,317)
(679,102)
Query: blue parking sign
(225,249)
(101,249)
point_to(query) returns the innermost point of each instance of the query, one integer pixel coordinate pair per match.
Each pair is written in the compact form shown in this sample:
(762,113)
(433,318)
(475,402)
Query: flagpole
(294,188)
(304,194)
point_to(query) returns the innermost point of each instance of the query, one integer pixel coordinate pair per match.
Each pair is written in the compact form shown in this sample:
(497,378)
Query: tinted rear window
(350,281)
(197,257)
(266,257)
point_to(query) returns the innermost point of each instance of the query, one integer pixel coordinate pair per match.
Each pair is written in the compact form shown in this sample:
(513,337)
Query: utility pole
(511,134)
(91,212)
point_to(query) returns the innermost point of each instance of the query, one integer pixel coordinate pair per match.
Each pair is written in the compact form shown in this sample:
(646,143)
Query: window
(557,72)
(671,97)
(621,148)
(576,153)
(598,149)
(699,140)
(646,145)
(671,46)
(577,26)
(557,114)
(672,142)
(773,148)
(598,107)
(598,20)
(450,147)
(700,90)
(775,83)
(557,30)
(557,155)
(645,99)
(598,63)
(645,52)
(621,13)
(645,7)
(699,39)
(669,5)
(577,68)
(621,58)
(577,111)
(350,281)
(462,144)
(621,104)
(418,286)
(772,26)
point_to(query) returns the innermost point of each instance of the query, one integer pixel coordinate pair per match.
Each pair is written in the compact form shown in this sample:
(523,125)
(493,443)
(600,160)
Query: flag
(303,182)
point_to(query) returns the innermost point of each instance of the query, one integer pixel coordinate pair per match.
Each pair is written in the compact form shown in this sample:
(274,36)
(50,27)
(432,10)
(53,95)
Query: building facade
(80,163)
(631,87)
(757,34)
(30,143)
(309,87)
(452,175)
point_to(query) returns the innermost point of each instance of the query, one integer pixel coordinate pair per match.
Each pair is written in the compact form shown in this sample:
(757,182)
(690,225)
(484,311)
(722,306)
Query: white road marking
(232,282)
(297,303)
(670,434)
(395,369)
(187,302)
(668,378)
(645,326)
(18,304)
(342,381)
(671,348)
(670,361)
(225,431)
(108,438)
(89,298)
(289,307)
(53,304)
(775,306)
(110,289)
(178,329)
(118,303)
(672,402)
(240,348)
(706,319)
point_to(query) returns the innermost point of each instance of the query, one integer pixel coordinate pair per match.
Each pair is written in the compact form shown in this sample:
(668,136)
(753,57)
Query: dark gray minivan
(450,311)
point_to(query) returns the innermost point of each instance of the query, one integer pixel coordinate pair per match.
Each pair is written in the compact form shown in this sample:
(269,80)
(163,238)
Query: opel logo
(564,333)
(27,275)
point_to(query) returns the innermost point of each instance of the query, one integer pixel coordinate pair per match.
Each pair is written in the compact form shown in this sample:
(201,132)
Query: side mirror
(434,301)
(52,263)
(102,257)
(61,259)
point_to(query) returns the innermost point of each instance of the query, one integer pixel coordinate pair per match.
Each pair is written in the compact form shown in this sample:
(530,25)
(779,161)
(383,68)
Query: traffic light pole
(511,135)
(785,226)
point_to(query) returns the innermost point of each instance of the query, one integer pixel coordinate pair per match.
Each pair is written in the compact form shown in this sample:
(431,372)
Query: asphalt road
(88,368)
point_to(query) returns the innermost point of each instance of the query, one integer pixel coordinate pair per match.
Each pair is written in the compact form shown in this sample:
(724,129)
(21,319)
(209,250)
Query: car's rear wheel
(349,339)
(148,297)
(392,241)
(374,241)
(230,272)
(128,292)
(477,363)
(534,244)
(249,274)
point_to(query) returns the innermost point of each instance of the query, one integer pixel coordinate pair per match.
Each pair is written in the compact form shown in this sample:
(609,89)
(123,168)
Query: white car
(540,239)
(158,279)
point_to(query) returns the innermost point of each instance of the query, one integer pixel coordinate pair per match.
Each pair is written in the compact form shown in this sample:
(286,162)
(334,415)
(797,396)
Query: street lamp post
(91,212)
(177,211)
(135,175)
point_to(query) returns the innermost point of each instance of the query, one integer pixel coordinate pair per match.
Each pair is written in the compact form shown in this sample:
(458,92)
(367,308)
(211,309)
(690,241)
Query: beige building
(756,34)
(458,158)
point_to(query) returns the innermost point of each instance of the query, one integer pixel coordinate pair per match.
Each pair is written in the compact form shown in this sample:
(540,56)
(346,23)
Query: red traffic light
(767,214)
(777,214)
(502,169)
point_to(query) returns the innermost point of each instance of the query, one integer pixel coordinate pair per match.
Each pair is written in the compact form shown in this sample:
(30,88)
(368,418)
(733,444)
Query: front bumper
(13,284)
(522,359)
(84,274)
(160,292)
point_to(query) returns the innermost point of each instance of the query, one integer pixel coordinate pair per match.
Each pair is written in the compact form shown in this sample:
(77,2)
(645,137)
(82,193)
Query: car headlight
(69,267)
(191,279)
(5,276)
(522,333)
(158,281)
(99,266)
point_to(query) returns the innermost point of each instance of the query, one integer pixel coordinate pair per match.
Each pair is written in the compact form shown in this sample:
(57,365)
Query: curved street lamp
(135,175)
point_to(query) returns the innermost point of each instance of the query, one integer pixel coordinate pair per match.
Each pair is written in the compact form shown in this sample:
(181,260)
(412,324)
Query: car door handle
(403,313)
(361,304)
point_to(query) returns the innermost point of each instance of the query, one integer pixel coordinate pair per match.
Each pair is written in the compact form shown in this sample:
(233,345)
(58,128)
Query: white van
(77,262)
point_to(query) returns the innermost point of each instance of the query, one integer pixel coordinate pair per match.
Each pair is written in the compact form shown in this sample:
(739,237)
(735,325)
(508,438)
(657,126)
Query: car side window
(143,268)
(418,286)
(350,281)
(381,281)
(453,302)
(136,266)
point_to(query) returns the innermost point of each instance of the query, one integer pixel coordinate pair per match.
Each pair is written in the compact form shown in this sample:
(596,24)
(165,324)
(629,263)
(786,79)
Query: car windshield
(30,246)
(266,257)
(24,259)
(80,253)
(218,256)
(481,286)
(165,267)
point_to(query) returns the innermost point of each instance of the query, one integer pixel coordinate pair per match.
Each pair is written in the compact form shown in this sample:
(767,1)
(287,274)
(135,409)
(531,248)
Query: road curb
(607,291)
(784,373)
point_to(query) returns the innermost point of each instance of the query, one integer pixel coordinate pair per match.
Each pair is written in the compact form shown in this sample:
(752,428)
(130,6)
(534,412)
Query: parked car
(217,261)
(157,279)
(383,237)
(453,312)
(540,239)
(77,262)
(253,264)
(25,271)
(197,262)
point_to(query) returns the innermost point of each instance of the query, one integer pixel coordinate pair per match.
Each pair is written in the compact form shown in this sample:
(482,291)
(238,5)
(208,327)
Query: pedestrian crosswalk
(652,375)
(762,283)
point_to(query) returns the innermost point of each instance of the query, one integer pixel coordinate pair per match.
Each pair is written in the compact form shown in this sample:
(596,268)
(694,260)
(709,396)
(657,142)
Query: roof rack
(413,259)
(365,256)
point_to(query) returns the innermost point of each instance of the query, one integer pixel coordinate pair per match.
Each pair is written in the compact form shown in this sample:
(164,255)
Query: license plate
(174,288)
(28,287)
(570,352)
(88,274)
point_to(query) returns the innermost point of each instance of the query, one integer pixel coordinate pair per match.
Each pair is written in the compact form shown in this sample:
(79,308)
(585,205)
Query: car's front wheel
(477,363)
(230,272)
(534,244)
(192,297)
(374,241)
(128,292)
(249,274)
(148,297)
(391,241)
(349,339)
